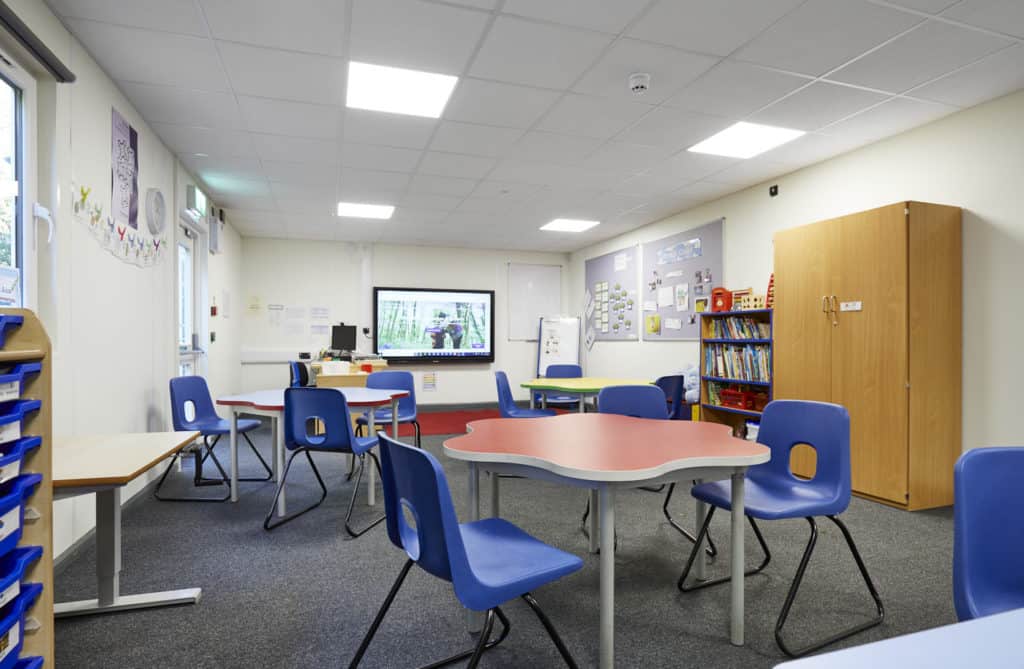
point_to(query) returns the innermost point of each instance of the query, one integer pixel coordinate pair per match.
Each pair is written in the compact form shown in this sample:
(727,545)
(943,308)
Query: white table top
(273,400)
(111,459)
(992,641)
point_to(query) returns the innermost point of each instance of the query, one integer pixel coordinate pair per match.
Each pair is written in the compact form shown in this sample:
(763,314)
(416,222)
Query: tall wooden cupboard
(868,315)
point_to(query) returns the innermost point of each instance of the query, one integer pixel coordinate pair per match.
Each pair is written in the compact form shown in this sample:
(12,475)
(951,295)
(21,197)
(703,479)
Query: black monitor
(343,337)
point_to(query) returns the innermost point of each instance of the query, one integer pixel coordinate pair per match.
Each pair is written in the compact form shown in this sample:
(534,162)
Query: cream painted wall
(973,159)
(113,323)
(341,276)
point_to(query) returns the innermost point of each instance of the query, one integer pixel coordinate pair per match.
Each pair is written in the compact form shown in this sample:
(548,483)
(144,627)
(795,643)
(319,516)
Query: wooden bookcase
(28,342)
(736,352)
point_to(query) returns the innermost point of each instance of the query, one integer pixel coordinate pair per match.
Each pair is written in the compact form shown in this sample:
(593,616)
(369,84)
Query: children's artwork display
(678,273)
(612,304)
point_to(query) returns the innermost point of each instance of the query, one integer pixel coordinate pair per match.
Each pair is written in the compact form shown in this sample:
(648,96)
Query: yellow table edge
(583,384)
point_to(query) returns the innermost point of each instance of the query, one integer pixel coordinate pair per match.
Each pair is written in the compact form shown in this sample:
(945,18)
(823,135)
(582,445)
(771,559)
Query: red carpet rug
(447,422)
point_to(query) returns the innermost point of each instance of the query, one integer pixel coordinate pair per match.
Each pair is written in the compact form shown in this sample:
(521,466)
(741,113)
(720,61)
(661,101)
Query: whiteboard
(534,291)
(558,342)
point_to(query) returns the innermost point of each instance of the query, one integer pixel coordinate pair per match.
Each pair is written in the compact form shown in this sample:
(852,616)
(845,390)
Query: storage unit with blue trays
(26,493)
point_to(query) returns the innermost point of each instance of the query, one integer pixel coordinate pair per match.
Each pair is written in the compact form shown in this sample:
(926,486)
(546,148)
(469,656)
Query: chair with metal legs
(507,404)
(988,537)
(393,380)
(564,400)
(191,392)
(317,420)
(772,492)
(488,562)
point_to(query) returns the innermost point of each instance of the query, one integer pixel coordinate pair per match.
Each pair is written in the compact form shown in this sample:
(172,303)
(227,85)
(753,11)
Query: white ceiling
(541,124)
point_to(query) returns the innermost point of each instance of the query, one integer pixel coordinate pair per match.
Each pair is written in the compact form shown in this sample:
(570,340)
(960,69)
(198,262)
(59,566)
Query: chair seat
(360,445)
(223,426)
(507,562)
(775,502)
(384,416)
(531,413)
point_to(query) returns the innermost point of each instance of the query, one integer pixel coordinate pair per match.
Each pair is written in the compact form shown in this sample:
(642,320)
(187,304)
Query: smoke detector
(639,82)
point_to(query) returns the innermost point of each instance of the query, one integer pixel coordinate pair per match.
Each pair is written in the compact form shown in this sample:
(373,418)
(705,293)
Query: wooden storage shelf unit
(716,336)
(868,315)
(26,343)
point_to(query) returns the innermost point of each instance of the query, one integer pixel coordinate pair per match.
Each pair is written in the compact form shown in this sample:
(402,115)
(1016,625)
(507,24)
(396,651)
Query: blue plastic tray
(12,454)
(12,382)
(29,663)
(13,414)
(8,321)
(12,570)
(12,505)
(12,625)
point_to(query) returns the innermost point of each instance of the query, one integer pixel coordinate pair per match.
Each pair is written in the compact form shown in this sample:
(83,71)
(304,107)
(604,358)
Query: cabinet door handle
(834,302)
(824,304)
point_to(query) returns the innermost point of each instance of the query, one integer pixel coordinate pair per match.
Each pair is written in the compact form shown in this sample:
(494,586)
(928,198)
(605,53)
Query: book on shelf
(743,362)
(740,327)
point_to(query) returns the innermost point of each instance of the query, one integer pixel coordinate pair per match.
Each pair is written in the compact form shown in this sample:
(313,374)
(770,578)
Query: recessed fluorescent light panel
(398,91)
(746,140)
(356,210)
(569,225)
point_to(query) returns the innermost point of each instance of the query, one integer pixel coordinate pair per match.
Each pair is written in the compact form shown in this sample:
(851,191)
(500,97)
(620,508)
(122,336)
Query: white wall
(341,277)
(113,323)
(973,159)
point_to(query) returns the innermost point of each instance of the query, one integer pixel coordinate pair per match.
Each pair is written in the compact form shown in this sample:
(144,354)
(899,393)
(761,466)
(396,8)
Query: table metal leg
(277,434)
(737,561)
(233,442)
(533,399)
(582,403)
(544,399)
(495,494)
(593,520)
(699,571)
(607,637)
(108,569)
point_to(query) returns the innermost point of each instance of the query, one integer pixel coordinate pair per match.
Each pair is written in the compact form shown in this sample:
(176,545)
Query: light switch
(850,306)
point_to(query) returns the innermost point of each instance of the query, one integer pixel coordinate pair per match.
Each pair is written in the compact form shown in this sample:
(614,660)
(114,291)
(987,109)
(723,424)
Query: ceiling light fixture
(569,225)
(357,210)
(746,140)
(397,90)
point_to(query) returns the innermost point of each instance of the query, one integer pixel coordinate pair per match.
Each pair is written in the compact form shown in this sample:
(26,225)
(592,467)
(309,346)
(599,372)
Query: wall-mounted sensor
(639,82)
(773,190)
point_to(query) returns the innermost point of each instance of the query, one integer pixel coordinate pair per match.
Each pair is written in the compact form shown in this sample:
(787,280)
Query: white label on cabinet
(9,391)
(850,306)
(8,472)
(10,522)
(10,432)
(9,641)
(10,593)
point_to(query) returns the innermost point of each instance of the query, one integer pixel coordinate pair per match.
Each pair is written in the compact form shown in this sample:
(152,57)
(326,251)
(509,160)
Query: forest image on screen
(433,324)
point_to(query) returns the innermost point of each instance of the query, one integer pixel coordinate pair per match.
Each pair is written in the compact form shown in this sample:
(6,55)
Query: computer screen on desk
(343,337)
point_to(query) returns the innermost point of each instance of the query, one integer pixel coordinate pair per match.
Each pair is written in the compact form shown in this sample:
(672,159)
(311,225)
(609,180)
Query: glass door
(188,349)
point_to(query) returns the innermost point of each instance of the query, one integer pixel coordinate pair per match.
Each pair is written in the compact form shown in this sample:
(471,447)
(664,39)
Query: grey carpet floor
(304,594)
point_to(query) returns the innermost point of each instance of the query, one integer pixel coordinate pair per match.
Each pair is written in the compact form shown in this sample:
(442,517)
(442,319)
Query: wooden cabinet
(895,361)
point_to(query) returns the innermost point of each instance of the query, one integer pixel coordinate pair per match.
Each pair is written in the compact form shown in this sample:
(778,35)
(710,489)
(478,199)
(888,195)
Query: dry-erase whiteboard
(534,291)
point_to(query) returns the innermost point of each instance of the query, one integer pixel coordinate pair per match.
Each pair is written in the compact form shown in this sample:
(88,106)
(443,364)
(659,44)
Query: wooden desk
(103,464)
(605,452)
(351,380)
(583,386)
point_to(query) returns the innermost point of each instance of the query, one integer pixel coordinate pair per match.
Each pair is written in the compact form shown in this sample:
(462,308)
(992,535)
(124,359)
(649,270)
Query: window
(11,197)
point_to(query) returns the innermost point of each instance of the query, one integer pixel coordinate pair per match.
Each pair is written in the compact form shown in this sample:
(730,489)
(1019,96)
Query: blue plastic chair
(563,371)
(192,391)
(674,388)
(306,410)
(488,562)
(507,404)
(298,374)
(988,537)
(391,380)
(772,492)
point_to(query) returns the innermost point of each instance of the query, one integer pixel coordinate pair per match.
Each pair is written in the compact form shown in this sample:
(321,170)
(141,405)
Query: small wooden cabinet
(868,315)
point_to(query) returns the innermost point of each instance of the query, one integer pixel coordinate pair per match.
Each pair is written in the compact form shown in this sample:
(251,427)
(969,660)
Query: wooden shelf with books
(736,366)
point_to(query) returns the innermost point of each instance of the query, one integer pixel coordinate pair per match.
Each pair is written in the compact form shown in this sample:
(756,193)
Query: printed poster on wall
(124,172)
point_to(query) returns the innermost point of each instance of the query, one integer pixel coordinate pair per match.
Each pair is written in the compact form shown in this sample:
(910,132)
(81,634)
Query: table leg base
(88,607)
